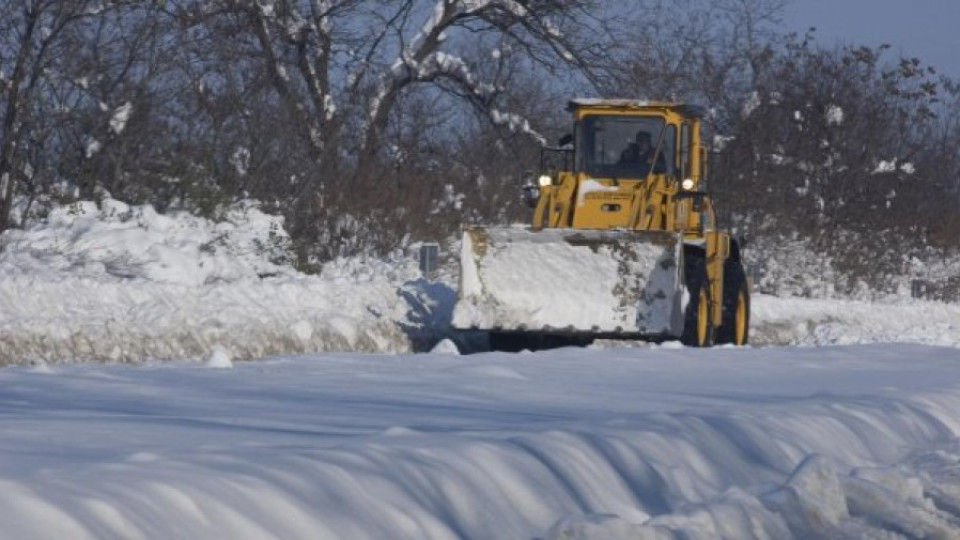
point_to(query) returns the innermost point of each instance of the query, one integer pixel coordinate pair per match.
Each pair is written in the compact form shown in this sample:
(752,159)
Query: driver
(640,153)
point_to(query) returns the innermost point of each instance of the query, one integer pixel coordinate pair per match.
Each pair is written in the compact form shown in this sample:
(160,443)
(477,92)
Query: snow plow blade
(602,283)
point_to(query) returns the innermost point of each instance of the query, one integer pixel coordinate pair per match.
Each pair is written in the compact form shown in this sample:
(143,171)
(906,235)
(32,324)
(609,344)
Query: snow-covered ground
(655,442)
(850,431)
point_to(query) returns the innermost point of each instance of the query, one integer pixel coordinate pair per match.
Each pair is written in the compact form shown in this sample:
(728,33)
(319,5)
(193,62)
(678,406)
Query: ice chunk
(220,358)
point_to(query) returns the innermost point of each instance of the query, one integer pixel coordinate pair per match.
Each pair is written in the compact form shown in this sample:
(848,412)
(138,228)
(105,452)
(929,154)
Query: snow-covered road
(652,442)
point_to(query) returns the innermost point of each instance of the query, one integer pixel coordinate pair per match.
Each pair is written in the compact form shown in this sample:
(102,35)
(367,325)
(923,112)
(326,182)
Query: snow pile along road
(802,321)
(120,283)
(663,442)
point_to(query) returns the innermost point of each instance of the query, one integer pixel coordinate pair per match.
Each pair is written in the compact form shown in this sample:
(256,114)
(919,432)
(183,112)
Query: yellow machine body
(593,190)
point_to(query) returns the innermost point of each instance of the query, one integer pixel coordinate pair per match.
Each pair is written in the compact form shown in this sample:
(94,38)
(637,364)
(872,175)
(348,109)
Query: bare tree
(338,75)
(339,67)
(31,34)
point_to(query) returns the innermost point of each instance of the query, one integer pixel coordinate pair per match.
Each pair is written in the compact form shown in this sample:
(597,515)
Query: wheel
(697,327)
(736,305)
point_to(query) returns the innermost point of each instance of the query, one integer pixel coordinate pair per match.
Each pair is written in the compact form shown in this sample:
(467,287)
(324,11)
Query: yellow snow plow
(623,241)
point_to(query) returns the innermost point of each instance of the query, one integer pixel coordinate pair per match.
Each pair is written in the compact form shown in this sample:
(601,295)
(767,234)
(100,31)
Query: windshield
(624,146)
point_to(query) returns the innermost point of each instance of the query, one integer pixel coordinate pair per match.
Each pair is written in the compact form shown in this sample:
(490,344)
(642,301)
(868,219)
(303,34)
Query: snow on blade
(573,281)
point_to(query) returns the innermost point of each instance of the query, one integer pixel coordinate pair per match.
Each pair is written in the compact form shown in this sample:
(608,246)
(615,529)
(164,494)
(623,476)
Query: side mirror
(566,140)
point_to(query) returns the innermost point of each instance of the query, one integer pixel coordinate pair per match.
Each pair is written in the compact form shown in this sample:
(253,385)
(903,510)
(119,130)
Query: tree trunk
(11,123)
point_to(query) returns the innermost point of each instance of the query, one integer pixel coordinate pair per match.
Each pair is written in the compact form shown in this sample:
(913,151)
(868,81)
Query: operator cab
(609,131)
(631,164)
(625,147)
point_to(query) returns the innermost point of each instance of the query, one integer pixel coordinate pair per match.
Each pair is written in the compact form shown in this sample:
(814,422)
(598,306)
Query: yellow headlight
(688,184)
(545,180)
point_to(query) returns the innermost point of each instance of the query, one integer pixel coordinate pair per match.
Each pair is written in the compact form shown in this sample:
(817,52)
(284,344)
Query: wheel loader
(623,241)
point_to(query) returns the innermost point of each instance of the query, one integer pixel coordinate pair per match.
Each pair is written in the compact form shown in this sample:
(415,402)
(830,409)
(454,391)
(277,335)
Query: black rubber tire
(734,285)
(698,287)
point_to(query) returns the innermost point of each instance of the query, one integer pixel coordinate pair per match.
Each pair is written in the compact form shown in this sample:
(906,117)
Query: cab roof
(684,109)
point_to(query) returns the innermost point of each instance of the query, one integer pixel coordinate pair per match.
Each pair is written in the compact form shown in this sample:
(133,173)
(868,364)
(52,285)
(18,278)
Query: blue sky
(927,29)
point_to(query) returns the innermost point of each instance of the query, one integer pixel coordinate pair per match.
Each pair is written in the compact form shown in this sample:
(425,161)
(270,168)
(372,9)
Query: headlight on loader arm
(545,180)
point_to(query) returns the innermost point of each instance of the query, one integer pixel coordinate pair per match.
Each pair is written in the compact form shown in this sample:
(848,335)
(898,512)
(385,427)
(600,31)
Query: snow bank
(842,442)
(795,321)
(119,283)
(112,282)
(114,242)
